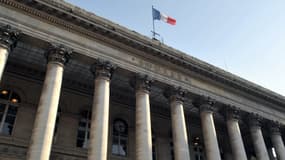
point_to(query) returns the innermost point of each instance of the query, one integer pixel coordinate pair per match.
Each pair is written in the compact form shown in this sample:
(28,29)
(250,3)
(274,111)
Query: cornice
(74,19)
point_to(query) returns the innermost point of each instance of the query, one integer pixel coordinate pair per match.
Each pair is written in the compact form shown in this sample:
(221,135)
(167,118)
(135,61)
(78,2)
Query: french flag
(160,16)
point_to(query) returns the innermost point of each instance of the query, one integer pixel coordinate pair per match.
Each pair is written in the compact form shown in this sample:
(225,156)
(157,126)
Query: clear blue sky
(244,37)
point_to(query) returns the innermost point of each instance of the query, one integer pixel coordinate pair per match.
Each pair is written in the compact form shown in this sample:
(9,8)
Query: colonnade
(58,56)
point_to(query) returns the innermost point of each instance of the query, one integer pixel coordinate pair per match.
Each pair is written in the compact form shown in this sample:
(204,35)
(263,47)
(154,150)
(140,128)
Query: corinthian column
(235,137)
(100,110)
(143,122)
(277,141)
(8,39)
(43,130)
(209,131)
(179,132)
(257,137)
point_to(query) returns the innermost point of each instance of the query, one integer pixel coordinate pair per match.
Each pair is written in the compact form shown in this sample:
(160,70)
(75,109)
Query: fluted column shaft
(8,39)
(100,111)
(43,130)
(143,120)
(257,138)
(277,142)
(235,135)
(179,131)
(209,131)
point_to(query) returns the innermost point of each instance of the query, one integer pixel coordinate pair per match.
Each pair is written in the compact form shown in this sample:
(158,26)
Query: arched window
(120,138)
(84,129)
(9,103)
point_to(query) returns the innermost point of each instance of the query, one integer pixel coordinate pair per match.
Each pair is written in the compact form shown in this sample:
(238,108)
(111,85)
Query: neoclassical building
(75,86)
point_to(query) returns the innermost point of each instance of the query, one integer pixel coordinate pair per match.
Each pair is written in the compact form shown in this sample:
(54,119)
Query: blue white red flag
(157,15)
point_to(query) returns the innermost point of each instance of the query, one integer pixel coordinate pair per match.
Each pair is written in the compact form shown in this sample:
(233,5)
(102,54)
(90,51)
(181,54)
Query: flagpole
(153,27)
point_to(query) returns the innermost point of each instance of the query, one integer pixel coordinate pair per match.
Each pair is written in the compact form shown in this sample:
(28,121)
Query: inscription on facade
(160,69)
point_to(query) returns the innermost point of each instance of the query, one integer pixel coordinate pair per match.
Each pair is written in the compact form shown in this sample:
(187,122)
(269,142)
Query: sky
(244,37)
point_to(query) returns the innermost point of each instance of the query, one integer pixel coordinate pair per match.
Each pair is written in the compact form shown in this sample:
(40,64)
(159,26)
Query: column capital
(255,120)
(232,112)
(274,127)
(207,104)
(58,53)
(175,94)
(142,82)
(103,69)
(8,37)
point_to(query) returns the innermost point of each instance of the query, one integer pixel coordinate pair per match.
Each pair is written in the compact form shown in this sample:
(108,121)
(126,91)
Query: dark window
(198,148)
(171,146)
(56,125)
(120,138)
(153,147)
(172,150)
(9,103)
(83,129)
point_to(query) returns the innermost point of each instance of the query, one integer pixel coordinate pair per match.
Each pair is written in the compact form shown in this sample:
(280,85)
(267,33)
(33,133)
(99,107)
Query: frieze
(165,71)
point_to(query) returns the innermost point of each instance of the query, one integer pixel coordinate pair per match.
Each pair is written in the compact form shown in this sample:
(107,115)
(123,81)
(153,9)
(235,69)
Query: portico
(90,84)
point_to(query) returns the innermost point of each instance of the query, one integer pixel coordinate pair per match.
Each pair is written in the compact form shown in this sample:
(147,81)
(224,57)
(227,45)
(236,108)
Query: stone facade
(68,76)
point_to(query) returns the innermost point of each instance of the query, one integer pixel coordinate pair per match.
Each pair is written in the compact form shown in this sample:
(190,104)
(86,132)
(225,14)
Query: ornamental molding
(274,127)
(12,151)
(77,20)
(206,104)
(142,82)
(102,69)
(207,100)
(8,37)
(17,151)
(232,112)
(255,120)
(175,94)
(58,53)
